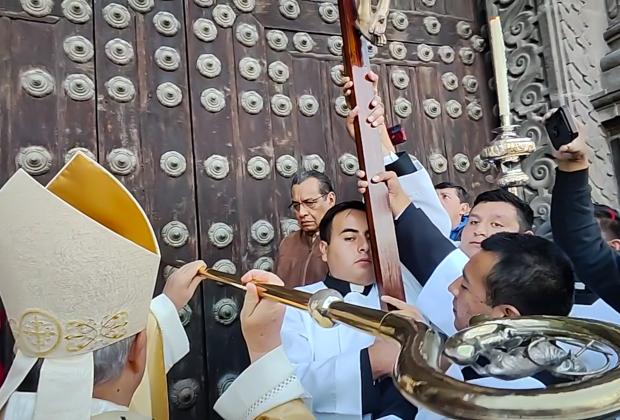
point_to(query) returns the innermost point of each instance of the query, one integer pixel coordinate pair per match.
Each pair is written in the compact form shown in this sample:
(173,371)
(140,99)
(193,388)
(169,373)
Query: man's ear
(615,244)
(464,209)
(331,198)
(136,359)
(323,248)
(505,311)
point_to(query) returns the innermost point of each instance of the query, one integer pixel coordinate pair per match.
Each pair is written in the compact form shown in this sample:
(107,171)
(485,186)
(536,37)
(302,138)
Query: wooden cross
(368,144)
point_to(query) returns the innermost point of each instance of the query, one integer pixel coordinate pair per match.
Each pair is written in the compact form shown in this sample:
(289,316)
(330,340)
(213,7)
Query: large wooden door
(206,110)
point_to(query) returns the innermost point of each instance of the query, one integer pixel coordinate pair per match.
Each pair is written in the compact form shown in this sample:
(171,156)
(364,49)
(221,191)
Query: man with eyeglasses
(299,260)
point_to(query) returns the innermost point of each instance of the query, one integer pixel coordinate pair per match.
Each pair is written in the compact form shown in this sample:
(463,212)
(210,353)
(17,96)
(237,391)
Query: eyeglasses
(310,203)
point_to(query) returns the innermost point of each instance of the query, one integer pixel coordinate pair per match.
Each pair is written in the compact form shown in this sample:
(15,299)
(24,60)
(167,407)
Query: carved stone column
(553,52)
(607,101)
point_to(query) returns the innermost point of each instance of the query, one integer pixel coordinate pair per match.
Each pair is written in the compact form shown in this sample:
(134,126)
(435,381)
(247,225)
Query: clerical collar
(344,287)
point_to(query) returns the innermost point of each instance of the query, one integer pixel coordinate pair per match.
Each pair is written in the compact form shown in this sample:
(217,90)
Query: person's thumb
(251,299)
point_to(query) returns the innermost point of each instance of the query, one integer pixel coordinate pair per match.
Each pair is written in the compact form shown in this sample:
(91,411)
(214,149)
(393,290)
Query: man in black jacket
(577,231)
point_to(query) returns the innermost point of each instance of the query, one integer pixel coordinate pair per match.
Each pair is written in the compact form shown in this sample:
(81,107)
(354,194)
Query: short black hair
(532,274)
(500,195)
(325,184)
(608,220)
(325,227)
(460,191)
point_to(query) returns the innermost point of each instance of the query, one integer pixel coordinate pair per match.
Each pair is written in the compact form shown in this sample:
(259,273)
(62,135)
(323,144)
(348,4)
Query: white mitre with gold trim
(78,265)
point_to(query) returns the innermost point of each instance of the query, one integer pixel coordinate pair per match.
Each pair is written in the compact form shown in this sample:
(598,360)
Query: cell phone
(561,128)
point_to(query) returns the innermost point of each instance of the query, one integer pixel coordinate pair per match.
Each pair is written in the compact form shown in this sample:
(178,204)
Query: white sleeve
(333,383)
(420,189)
(174,337)
(265,384)
(435,301)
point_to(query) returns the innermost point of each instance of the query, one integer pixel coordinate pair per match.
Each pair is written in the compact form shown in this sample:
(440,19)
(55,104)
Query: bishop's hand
(182,283)
(261,319)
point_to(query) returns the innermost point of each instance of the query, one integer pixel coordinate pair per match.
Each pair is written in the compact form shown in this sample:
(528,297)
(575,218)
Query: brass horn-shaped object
(421,380)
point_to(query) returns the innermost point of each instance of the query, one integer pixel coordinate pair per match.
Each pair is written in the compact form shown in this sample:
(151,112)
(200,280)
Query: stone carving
(204,3)
(142,6)
(119,51)
(334,45)
(224,15)
(450,81)
(348,164)
(467,56)
(35,160)
(175,234)
(461,162)
(481,164)
(464,29)
(288,226)
(204,29)
(78,49)
(328,12)
(262,232)
(120,89)
(116,15)
(166,23)
(337,75)
(432,25)
(38,8)
(76,11)
(454,108)
(402,107)
(220,234)
(425,53)
(446,54)
(251,102)
(428,3)
(167,58)
(264,263)
(313,163)
(249,68)
(71,152)
(474,111)
(79,87)
(308,105)
(289,9)
(478,43)
(432,108)
(372,51)
(258,167)
(225,266)
(281,105)
(208,65)
(342,107)
(557,61)
(247,34)
(213,100)
(286,166)
(400,79)
(216,166)
(399,20)
(246,6)
(37,82)
(173,163)
(277,40)
(122,161)
(470,84)
(303,42)
(278,72)
(398,51)
(169,94)
(439,164)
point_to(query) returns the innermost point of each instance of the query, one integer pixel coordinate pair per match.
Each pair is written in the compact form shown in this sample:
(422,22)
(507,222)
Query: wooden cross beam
(368,144)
